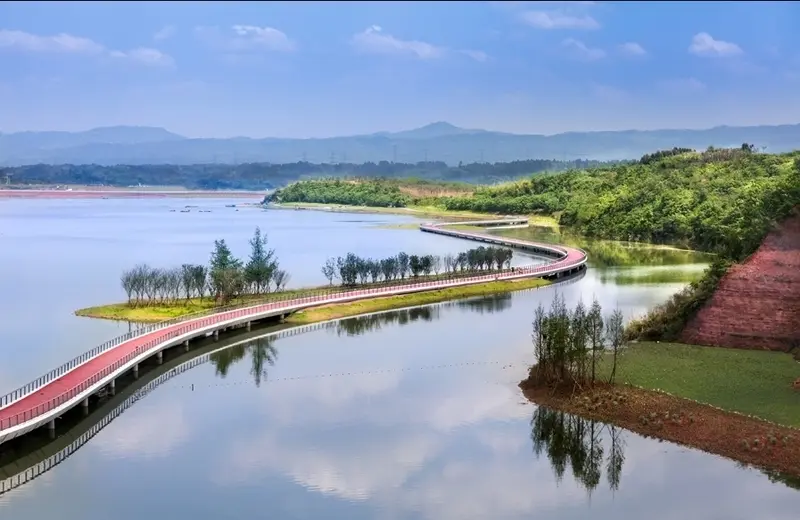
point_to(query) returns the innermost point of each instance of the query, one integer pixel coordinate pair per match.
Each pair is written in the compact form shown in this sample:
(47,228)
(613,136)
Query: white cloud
(558,20)
(59,43)
(704,45)
(632,49)
(160,426)
(165,32)
(264,38)
(374,41)
(581,51)
(247,38)
(476,55)
(682,85)
(68,44)
(146,56)
(513,4)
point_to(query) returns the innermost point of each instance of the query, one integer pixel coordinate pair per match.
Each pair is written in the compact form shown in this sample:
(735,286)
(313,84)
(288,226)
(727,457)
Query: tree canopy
(261,176)
(719,200)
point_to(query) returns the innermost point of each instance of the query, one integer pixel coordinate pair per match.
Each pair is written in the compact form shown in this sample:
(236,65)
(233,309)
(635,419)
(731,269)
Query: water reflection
(400,443)
(569,440)
(262,353)
(609,253)
(374,322)
(488,304)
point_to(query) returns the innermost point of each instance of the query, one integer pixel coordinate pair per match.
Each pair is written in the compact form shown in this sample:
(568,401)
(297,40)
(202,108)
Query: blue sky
(316,69)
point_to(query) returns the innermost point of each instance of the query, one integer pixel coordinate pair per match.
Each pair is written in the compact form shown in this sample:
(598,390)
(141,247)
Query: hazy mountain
(435,142)
(438,129)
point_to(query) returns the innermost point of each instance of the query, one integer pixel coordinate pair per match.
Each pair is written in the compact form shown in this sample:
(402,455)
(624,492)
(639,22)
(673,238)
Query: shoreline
(341,310)
(650,413)
(433,212)
(414,211)
(117,193)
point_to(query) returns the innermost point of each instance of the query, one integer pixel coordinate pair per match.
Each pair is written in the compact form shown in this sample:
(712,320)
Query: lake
(403,415)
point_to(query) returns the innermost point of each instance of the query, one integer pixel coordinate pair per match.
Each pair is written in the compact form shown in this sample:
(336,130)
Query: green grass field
(751,382)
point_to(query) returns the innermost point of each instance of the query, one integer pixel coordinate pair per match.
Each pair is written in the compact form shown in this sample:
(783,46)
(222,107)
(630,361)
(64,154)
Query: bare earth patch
(757,303)
(655,414)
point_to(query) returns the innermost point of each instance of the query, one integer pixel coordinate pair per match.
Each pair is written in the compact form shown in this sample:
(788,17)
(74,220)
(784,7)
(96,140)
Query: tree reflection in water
(262,353)
(374,322)
(487,304)
(569,440)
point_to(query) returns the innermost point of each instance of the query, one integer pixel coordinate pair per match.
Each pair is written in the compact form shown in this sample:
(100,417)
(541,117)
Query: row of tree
(352,269)
(225,278)
(722,201)
(261,175)
(567,343)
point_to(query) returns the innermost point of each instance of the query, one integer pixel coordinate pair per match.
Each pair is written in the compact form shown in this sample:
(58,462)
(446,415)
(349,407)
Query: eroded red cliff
(757,303)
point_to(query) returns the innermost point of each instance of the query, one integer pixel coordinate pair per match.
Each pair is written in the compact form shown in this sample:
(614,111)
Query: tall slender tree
(594,326)
(615,330)
(224,271)
(261,265)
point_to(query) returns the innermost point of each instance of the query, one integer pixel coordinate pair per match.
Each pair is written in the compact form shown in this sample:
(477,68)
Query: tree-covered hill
(720,200)
(263,176)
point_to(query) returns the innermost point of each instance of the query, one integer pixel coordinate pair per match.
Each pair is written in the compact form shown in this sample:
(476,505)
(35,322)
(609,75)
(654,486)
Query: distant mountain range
(434,142)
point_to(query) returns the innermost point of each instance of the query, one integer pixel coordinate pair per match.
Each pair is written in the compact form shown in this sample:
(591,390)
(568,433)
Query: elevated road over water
(31,460)
(42,401)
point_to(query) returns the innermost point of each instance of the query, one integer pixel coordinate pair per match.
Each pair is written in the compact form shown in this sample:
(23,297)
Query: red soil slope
(757,304)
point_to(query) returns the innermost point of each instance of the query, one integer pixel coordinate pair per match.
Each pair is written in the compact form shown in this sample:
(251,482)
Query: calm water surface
(405,415)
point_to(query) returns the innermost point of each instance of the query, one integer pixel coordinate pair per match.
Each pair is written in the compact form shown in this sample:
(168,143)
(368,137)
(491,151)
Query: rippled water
(404,415)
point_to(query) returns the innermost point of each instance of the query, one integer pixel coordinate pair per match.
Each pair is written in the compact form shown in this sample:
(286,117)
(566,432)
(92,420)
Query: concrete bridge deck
(43,400)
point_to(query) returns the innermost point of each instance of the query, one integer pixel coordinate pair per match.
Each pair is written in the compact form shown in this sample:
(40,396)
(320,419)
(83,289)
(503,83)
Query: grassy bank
(738,437)
(343,310)
(736,403)
(156,313)
(168,310)
(752,382)
(416,211)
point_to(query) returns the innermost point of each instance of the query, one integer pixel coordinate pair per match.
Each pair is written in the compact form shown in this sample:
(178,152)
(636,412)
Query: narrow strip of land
(46,401)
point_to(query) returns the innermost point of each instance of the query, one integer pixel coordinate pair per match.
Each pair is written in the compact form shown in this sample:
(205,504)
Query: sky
(321,69)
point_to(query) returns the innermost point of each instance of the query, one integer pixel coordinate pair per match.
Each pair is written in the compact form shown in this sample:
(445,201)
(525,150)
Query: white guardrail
(23,470)
(138,345)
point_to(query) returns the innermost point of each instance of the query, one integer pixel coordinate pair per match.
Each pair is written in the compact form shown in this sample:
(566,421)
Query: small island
(157,294)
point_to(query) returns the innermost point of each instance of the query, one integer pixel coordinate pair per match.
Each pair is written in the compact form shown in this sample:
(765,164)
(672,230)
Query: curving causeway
(42,401)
